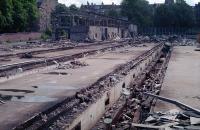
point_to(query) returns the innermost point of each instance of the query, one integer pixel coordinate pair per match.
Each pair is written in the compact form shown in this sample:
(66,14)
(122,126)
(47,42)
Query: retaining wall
(94,112)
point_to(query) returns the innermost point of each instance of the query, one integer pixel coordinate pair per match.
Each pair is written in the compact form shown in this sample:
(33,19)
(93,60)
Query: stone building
(46,7)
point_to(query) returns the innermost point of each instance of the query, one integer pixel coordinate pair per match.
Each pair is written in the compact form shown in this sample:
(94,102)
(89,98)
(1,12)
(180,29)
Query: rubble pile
(185,42)
(176,40)
(174,119)
(36,44)
(26,56)
(72,65)
(151,39)
(78,63)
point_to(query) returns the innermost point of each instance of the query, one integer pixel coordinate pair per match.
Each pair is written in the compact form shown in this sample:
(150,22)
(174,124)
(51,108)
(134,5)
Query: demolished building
(80,26)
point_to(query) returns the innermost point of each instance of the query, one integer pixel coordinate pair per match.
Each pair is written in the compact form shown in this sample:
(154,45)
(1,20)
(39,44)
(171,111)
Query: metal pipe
(175,102)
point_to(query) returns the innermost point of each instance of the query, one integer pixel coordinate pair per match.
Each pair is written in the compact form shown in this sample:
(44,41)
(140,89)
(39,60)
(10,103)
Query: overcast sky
(79,2)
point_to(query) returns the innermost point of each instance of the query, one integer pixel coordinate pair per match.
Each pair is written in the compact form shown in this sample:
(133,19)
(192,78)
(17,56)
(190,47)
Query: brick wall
(15,37)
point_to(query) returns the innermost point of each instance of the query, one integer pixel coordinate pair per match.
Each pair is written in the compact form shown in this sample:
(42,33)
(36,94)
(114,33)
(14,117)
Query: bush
(44,37)
(48,32)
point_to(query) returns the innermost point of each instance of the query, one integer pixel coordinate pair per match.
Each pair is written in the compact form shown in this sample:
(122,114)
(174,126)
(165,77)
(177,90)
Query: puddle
(52,85)
(17,90)
(28,99)
(34,86)
(36,99)
(57,73)
(9,97)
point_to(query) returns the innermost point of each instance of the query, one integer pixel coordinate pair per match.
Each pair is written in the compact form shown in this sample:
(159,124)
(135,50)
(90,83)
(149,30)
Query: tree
(20,16)
(137,11)
(179,14)
(164,16)
(61,8)
(2,21)
(185,14)
(33,15)
(6,9)
(73,7)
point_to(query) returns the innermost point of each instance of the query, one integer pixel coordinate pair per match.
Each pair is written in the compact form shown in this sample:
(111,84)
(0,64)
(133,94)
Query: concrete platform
(182,81)
(33,93)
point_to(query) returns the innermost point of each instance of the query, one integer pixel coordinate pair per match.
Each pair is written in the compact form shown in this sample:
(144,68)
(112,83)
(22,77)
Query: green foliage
(63,33)
(73,7)
(2,21)
(44,37)
(6,9)
(18,15)
(61,8)
(33,15)
(48,32)
(174,15)
(137,11)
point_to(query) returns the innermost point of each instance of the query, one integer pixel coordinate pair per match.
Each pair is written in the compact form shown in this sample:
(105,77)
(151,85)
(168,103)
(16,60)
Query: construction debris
(26,56)
(71,65)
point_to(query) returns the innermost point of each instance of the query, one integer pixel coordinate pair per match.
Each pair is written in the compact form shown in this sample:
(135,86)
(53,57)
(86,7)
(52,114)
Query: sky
(79,2)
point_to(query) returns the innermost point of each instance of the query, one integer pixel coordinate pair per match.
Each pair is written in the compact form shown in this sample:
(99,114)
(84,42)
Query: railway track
(46,119)
(34,52)
(7,70)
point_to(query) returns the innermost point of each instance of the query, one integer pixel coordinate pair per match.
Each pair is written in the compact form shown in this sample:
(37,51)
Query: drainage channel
(133,106)
(64,114)
(12,69)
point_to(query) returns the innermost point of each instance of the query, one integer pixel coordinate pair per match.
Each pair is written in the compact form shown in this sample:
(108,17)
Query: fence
(168,31)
